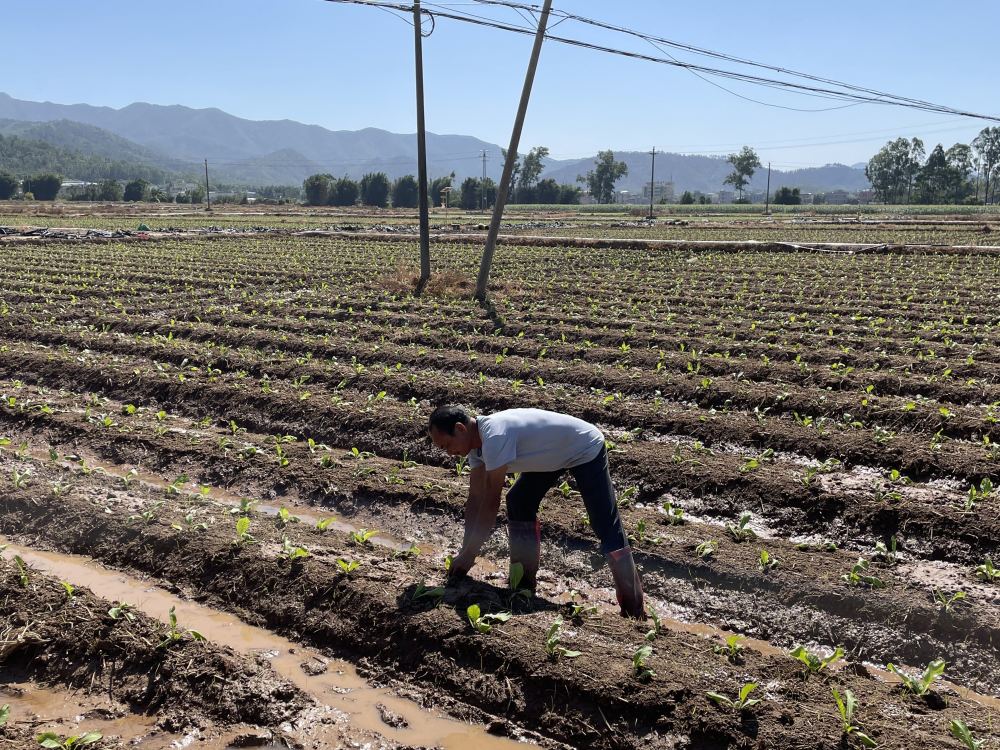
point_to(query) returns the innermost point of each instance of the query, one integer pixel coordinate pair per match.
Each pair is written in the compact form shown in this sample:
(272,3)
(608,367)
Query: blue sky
(348,67)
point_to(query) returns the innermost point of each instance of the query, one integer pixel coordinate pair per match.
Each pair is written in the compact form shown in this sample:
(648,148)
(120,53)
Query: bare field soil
(804,447)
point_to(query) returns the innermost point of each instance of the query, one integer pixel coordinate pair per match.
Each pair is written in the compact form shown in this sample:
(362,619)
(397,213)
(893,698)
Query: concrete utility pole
(508,168)
(652,181)
(425,225)
(482,185)
(208,193)
(767,197)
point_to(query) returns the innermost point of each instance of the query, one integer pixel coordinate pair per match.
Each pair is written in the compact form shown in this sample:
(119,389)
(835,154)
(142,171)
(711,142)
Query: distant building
(837,197)
(866,196)
(662,191)
(726,196)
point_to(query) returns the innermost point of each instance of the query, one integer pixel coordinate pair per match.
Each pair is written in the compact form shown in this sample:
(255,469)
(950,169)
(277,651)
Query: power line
(849,92)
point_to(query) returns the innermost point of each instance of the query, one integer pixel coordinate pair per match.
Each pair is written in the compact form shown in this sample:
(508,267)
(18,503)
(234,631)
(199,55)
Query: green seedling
(175,634)
(412,551)
(245,508)
(945,602)
(348,567)
(120,611)
(888,555)
(129,477)
(859,575)
(977,494)
(462,466)
(733,650)
(481,622)
(639,659)
(815,663)
(767,561)
(70,590)
(175,487)
(281,455)
(514,578)
(757,461)
(22,572)
(552,637)
(741,531)
(961,732)
(706,549)
(243,530)
(657,623)
(363,536)
(743,700)
(285,517)
(846,707)
(675,516)
(4,714)
(53,740)
(190,524)
(292,551)
(324,523)
(433,594)
(920,686)
(20,478)
(578,610)
(987,572)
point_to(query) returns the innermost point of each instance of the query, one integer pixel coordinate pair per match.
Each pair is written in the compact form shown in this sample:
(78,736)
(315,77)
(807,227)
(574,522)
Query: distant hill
(24,157)
(176,139)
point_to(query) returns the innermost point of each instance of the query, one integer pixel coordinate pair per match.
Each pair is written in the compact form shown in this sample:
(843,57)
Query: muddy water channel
(346,705)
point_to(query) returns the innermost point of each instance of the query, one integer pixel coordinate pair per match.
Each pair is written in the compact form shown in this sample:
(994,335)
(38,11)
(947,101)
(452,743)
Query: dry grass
(447,283)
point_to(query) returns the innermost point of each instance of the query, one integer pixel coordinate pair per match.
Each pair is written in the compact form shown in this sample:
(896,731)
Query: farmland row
(372,612)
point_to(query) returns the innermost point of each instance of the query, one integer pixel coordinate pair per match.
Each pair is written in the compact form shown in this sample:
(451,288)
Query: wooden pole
(425,226)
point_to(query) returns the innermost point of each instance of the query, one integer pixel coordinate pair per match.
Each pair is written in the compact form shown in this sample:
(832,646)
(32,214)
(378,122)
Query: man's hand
(461,564)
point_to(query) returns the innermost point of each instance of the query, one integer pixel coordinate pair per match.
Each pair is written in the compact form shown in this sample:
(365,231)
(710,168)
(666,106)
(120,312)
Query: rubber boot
(628,588)
(526,548)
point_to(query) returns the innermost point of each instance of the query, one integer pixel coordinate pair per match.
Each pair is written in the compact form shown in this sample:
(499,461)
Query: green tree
(8,186)
(569,195)
(471,193)
(547,191)
(960,159)
(317,189)
(745,163)
(987,148)
(375,189)
(135,190)
(531,168)
(687,198)
(405,192)
(197,194)
(437,185)
(110,190)
(892,170)
(601,180)
(788,197)
(45,187)
(345,192)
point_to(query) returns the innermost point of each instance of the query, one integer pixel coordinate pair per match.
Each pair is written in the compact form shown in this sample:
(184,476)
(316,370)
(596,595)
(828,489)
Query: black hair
(445,417)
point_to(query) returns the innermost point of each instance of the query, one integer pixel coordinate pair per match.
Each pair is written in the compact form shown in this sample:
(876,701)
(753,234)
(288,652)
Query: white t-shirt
(534,440)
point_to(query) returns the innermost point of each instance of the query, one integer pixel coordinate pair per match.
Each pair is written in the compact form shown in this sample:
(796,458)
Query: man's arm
(485,488)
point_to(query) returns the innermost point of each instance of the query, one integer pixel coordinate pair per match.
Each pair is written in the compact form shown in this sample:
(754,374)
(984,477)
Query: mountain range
(177,139)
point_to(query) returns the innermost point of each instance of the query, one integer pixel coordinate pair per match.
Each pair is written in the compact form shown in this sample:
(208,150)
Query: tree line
(526,186)
(902,172)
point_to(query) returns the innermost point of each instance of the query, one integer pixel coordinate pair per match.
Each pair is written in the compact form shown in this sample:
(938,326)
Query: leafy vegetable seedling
(175,634)
(481,622)
(243,530)
(323,523)
(675,516)
(741,531)
(733,650)
(961,733)
(920,685)
(706,549)
(743,700)
(859,575)
(945,602)
(120,610)
(285,517)
(363,536)
(53,740)
(348,567)
(4,713)
(767,561)
(846,706)
(987,571)
(552,637)
(293,551)
(639,659)
(815,663)
(434,594)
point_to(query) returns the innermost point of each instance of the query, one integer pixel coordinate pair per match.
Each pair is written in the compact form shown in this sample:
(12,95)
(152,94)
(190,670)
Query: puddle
(339,688)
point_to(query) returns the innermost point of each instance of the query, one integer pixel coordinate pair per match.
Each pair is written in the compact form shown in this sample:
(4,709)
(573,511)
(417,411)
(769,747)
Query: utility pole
(208,193)
(508,167)
(652,181)
(425,225)
(482,185)
(767,197)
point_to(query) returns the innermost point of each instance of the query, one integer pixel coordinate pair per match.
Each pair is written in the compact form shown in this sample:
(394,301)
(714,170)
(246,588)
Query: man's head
(452,429)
